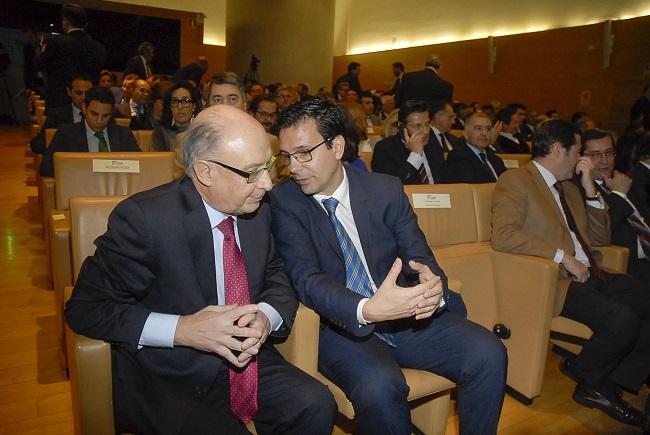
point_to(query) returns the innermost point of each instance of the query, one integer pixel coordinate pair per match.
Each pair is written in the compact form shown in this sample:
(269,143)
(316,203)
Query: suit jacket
(467,167)
(193,72)
(352,80)
(425,85)
(305,238)
(72,138)
(508,146)
(526,220)
(135,66)
(56,117)
(640,191)
(390,154)
(451,140)
(64,55)
(157,255)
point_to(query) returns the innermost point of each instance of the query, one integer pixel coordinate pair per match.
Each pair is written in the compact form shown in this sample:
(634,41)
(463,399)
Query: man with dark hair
(628,227)
(265,110)
(398,72)
(187,287)
(537,210)
(64,55)
(95,134)
(442,120)
(227,88)
(474,161)
(368,102)
(351,78)
(509,141)
(140,64)
(426,84)
(524,130)
(193,71)
(355,254)
(58,116)
(412,155)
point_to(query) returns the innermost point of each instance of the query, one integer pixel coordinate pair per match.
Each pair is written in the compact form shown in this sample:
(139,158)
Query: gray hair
(200,139)
(226,78)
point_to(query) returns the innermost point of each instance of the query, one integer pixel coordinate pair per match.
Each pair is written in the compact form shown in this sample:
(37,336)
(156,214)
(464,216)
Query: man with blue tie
(355,254)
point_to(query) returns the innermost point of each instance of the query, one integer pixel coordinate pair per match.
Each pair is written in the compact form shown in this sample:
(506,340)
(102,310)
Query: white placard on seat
(129,166)
(511,163)
(431,200)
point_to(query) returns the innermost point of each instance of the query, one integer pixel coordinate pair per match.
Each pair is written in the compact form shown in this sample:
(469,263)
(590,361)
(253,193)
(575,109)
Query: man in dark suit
(59,116)
(193,71)
(355,254)
(94,134)
(474,161)
(537,210)
(640,173)
(140,64)
(628,227)
(509,141)
(412,154)
(73,52)
(398,72)
(187,287)
(351,78)
(442,119)
(426,84)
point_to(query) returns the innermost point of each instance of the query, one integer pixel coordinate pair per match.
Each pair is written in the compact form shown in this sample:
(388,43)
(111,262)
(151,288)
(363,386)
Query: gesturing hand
(431,299)
(215,328)
(391,301)
(251,346)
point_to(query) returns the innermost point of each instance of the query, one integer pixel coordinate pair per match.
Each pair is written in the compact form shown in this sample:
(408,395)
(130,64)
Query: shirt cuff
(559,255)
(159,330)
(415,159)
(596,203)
(274,317)
(360,319)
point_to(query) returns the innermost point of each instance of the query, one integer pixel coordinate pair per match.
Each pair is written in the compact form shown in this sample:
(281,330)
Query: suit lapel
(113,139)
(248,241)
(544,191)
(199,238)
(360,211)
(322,222)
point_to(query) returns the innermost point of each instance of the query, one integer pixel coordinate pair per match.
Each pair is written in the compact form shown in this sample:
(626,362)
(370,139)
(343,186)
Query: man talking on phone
(412,155)
(537,210)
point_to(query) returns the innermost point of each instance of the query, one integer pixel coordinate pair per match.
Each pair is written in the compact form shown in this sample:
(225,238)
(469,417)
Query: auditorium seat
(144,140)
(123,122)
(366,157)
(513,161)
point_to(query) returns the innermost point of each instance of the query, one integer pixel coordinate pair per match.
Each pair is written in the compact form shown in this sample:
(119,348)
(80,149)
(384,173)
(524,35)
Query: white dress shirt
(416,160)
(77,116)
(437,133)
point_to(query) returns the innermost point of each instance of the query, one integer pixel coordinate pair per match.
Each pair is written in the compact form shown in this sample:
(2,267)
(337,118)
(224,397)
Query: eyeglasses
(607,153)
(182,102)
(250,176)
(264,114)
(302,156)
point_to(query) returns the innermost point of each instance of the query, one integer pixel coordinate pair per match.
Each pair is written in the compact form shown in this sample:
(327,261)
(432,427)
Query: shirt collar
(75,111)
(341,194)
(509,136)
(436,131)
(215,216)
(89,131)
(549,178)
(647,165)
(475,150)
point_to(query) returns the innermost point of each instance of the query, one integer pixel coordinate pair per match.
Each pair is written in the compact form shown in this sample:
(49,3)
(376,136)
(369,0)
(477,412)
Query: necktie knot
(227,227)
(559,188)
(330,205)
(102,144)
(483,157)
(99,135)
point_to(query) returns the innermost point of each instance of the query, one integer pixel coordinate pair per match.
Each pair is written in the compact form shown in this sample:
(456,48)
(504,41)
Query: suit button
(198,391)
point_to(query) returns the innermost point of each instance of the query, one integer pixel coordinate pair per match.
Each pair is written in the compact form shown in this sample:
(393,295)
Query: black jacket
(467,167)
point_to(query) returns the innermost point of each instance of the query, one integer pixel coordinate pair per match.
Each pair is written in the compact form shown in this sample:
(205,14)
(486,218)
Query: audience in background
(150,117)
(640,111)
(398,72)
(107,79)
(255,90)
(509,141)
(227,88)
(640,173)
(140,64)
(285,96)
(425,85)
(442,120)
(193,71)
(370,110)
(264,108)
(179,106)
(303,92)
(351,78)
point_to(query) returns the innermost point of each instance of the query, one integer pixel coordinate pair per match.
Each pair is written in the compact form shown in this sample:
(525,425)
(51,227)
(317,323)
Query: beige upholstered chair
(513,161)
(123,122)
(144,139)
(77,177)
(367,158)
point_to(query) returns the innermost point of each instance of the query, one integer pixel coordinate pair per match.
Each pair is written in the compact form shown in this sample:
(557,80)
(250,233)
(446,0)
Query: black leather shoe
(618,409)
(567,367)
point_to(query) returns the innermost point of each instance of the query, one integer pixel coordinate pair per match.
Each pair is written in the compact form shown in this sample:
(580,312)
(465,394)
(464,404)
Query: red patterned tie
(243,382)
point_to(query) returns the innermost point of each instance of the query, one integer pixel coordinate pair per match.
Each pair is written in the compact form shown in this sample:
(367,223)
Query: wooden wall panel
(543,70)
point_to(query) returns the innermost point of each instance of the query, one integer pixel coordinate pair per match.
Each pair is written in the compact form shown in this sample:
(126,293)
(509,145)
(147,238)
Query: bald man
(187,287)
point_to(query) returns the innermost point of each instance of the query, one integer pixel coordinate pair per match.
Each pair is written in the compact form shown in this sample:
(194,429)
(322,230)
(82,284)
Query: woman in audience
(178,108)
(639,193)
(358,117)
(107,79)
(352,138)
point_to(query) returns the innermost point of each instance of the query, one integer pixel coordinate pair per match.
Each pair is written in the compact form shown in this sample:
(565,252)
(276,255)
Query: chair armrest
(614,258)
(91,385)
(301,347)
(47,198)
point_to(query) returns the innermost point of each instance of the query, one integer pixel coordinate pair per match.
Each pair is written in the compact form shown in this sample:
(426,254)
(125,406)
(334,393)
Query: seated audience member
(474,161)
(303,92)
(442,121)
(256,89)
(330,211)
(537,210)
(369,109)
(95,134)
(139,98)
(227,88)
(387,106)
(140,64)
(640,173)
(285,96)
(107,79)
(192,72)
(627,147)
(123,95)
(265,109)
(179,107)
(509,141)
(411,155)
(351,96)
(358,116)
(187,286)
(352,138)
(628,228)
(150,118)
(552,114)
(59,116)
(524,130)
(488,109)
(462,111)
(341,90)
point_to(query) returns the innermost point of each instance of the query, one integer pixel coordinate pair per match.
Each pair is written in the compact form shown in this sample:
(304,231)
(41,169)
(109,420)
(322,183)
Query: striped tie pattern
(357,278)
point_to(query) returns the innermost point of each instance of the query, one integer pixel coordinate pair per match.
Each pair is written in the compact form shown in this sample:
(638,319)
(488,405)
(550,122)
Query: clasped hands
(225,330)
(391,302)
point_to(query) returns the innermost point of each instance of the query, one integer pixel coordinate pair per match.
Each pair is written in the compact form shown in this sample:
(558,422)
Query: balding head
(433,61)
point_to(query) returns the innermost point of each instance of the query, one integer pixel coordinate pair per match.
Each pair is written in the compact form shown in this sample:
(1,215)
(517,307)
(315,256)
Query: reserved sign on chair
(431,200)
(128,166)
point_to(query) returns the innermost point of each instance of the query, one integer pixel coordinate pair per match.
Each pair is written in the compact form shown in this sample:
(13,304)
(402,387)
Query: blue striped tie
(357,278)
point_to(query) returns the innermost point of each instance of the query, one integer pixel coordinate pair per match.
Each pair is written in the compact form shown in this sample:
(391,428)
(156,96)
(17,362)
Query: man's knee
(379,390)
(487,356)
(316,403)
(623,326)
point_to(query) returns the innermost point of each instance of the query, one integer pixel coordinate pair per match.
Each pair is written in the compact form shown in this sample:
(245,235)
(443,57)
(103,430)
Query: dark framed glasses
(250,176)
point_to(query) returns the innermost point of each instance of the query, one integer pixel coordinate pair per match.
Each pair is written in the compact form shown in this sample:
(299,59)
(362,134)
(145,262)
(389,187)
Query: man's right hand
(214,329)
(619,182)
(391,301)
(579,271)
